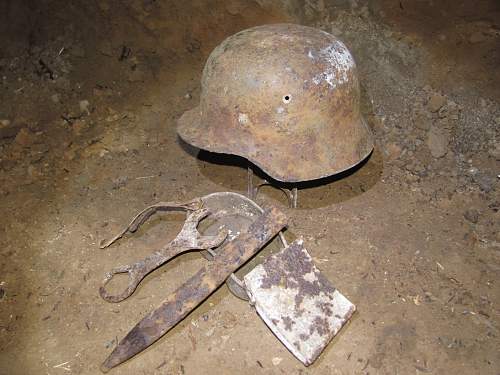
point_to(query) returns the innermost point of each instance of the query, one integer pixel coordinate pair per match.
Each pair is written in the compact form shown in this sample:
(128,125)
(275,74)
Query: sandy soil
(90,92)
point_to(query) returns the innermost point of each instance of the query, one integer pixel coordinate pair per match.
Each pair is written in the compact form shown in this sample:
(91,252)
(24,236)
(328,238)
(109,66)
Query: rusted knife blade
(181,302)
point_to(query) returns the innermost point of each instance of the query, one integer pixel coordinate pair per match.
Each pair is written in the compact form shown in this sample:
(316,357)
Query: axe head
(296,301)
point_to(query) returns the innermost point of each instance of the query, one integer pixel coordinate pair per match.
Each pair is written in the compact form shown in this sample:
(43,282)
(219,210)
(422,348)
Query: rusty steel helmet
(285,97)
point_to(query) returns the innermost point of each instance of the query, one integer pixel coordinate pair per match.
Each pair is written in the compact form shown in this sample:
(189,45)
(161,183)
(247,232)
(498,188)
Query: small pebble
(119,182)
(477,37)
(25,138)
(472,215)
(277,360)
(437,141)
(84,106)
(109,344)
(79,127)
(436,101)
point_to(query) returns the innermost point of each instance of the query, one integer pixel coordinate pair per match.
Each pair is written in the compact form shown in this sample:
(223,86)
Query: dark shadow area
(230,171)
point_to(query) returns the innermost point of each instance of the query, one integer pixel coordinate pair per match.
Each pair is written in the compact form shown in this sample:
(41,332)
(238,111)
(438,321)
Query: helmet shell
(284,96)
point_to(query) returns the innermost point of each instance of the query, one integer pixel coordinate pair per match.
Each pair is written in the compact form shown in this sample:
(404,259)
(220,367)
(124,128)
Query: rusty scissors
(188,239)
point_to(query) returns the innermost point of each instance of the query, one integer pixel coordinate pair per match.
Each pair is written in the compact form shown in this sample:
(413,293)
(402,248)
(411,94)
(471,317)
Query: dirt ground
(90,92)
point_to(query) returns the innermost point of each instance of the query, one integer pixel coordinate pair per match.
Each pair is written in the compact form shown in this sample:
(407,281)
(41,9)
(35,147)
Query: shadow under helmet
(285,97)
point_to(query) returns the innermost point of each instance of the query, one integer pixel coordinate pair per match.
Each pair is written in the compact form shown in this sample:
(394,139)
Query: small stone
(276,361)
(393,151)
(84,107)
(187,96)
(113,118)
(56,98)
(472,215)
(443,112)
(444,123)
(416,167)
(453,106)
(436,101)
(33,172)
(209,332)
(25,138)
(119,182)
(79,127)
(494,151)
(473,171)
(421,122)
(109,344)
(453,109)
(364,12)
(411,178)
(477,37)
(485,182)
(70,154)
(437,141)
(229,320)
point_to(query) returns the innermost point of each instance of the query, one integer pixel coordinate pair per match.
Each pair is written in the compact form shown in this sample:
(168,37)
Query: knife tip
(104,369)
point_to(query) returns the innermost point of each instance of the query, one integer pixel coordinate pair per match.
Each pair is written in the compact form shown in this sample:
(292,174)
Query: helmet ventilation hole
(287,98)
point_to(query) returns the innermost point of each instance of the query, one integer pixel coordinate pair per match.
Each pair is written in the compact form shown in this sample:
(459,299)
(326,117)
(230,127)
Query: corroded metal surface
(223,215)
(188,239)
(286,97)
(145,214)
(235,213)
(297,302)
(231,256)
